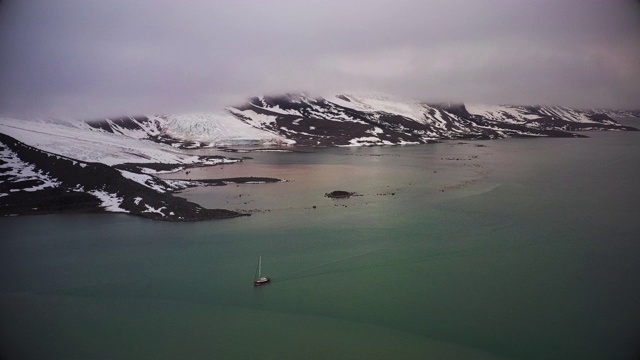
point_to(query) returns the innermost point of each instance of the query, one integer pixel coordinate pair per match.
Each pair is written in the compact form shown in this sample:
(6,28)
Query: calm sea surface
(525,249)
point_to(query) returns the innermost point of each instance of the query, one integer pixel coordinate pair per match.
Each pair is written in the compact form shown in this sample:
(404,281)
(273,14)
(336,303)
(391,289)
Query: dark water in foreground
(525,249)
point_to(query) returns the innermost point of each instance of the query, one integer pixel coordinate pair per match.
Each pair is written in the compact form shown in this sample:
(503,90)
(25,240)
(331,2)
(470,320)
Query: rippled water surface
(498,249)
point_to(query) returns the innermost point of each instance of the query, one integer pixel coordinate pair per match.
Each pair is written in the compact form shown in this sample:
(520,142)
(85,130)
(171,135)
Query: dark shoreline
(60,201)
(78,183)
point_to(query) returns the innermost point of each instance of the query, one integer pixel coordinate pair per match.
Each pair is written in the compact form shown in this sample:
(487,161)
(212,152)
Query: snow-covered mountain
(109,164)
(221,128)
(81,141)
(355,120)
(52,166)
(34,181)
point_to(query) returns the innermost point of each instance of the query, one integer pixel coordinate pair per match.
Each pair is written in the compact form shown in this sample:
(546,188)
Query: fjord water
(523,249)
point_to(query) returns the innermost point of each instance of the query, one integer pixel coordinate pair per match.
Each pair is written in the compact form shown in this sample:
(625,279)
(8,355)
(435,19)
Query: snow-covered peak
(503,113)
(382,103)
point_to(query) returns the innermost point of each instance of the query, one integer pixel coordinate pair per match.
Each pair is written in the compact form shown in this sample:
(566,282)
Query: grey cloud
(65,58)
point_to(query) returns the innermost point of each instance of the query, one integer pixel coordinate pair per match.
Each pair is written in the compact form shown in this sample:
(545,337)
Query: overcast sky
(86,59)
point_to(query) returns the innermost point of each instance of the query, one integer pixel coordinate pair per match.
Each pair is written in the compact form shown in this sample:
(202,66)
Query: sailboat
(259,279)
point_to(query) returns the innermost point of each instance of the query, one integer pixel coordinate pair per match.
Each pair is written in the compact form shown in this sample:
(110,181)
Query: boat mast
(259,267)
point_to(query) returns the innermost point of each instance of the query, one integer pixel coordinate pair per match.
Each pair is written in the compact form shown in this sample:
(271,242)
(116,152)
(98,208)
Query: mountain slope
(189,130)
(34,181)
(129,140)
(380,120)
(108,165)
(355,120)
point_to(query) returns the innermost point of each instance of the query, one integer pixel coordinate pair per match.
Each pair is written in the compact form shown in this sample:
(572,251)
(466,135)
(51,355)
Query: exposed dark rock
(139,123)
(77,179)
(339,194)
(169,168)
(230,181)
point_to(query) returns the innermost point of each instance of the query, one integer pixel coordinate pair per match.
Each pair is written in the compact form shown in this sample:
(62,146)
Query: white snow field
(218,129)
(74,140)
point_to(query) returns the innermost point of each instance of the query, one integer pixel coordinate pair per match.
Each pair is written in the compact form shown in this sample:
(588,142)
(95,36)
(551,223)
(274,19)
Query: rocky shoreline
(120,172)
(64,185)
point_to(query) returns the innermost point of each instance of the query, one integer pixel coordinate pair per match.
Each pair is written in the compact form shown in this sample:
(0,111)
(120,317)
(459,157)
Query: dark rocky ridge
(319,122)
(74,175)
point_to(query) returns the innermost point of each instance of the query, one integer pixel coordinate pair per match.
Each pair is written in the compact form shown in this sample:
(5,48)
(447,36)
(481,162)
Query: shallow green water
(522,249)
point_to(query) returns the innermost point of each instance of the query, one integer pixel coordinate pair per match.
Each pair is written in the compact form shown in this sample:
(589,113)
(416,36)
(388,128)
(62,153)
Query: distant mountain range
(350,120)
(109,165)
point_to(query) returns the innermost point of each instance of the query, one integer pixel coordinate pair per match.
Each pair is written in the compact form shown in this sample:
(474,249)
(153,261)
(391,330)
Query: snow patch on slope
(151,209)
(16,171)
(110,202)
(502,113)
(254,119)
(381,103)
(566,114)
(145,180)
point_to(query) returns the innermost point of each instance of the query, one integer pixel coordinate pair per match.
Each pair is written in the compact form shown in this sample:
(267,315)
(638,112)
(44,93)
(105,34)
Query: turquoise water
(524,249)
